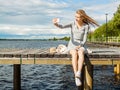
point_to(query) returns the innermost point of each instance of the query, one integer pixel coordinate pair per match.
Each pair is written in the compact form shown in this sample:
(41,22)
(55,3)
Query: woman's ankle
(78,74)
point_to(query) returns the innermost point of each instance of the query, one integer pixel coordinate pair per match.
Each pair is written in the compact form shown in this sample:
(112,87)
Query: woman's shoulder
(72,23)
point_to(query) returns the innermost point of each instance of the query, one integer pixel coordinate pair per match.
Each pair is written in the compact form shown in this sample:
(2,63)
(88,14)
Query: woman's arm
(61,26)
(56,20)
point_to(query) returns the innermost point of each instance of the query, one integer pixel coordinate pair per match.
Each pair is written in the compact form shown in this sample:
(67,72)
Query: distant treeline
(53,39)
(23,39)
(64,38)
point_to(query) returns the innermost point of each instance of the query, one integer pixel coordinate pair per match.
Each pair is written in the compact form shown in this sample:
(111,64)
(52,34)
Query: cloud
(29,12)
(34,17)
(98,11)
(29,30)
(29,7)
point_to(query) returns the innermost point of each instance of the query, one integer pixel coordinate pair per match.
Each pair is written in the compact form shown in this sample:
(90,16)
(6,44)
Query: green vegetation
(113,28)
(53,39)
(64,38)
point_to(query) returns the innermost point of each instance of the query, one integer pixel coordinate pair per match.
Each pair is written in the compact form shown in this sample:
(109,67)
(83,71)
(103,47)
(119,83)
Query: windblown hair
(85,18)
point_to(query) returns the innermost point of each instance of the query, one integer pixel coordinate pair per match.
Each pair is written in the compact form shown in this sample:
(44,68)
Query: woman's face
(77,17)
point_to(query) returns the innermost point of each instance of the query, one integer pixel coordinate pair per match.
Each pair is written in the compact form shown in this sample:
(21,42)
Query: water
(30,44)
(51,77)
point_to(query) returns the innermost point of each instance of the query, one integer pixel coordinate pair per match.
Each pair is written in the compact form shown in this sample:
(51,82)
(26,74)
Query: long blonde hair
(85,18)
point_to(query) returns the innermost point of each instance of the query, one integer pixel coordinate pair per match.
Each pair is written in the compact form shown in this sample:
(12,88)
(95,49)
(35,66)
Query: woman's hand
(55,20)
(77,47)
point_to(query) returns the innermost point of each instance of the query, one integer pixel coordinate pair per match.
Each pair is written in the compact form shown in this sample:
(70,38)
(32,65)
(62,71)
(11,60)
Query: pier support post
(88,82)
(117,71)
(17,77)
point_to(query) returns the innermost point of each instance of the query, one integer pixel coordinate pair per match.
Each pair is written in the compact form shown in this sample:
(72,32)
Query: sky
(32,19)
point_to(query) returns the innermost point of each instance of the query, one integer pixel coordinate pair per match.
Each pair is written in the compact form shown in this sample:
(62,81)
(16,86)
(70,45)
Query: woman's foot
(77,79)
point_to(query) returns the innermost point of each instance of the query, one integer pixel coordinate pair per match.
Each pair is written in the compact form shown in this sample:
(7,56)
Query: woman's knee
(81,51)
(73,52)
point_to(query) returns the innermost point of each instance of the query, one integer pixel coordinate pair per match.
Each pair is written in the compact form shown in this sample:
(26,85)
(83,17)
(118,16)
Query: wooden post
(117,71)
(88,82)
(17,77)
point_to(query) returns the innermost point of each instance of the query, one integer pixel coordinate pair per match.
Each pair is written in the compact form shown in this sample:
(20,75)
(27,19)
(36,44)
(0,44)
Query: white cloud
(98,11)
(24,7)
(27,30)
(33,17)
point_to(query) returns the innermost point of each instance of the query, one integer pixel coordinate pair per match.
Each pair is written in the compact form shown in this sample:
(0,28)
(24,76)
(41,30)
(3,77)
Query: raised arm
(55,22)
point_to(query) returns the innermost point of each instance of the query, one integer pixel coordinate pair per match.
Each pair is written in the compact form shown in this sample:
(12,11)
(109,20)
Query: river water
(51,77)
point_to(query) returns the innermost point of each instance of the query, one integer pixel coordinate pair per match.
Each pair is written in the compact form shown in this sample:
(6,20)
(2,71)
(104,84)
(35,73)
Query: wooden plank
(48,55)
(37,61)
(9,61)
(28,61)
(56,61)
(104,61)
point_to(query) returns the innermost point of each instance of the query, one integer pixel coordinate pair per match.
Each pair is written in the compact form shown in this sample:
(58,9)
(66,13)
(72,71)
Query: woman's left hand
(77,47)
(55,20)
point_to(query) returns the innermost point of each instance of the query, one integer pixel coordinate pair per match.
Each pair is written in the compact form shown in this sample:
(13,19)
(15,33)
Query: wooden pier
(42,56)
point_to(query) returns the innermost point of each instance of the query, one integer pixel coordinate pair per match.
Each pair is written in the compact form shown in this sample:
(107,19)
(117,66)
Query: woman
(76,45)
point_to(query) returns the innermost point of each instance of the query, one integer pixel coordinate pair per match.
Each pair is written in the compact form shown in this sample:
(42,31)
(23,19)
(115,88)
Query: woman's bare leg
(74,54)
(81,59)
(74,60)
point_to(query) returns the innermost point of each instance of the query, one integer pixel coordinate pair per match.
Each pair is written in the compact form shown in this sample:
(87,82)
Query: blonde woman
(76,46)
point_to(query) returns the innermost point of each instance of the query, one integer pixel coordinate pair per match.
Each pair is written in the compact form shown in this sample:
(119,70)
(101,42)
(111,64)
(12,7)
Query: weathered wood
(88,82)
(55,61)
(9,61)
(117,71)
(104,61)
(101,56)
(17,77)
